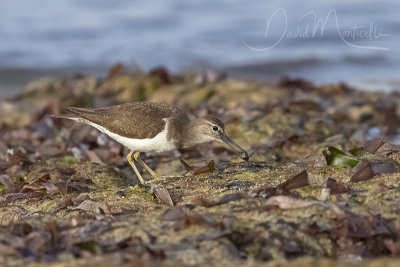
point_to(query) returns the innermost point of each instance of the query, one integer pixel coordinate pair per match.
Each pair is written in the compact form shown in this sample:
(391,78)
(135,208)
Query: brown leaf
(63,188)
(363,172)
(209,168)
(285,202)
(387,148)
(80,199)
(197,218)
(224,200)
(15,157)
(36,184)
(66,171)
(79,187)
(203,202)
(175,214)
(94,158)
(92,206)
(162,194)
(360,226)
(50,148)
(104,153)
(15,196)
(62,205)
(176,218)
(45,182)
(295,182)
(51,188)
(24,157)
(335,187)
(179,218)
(80,133)
(56,188)
(373,145)
(187,166)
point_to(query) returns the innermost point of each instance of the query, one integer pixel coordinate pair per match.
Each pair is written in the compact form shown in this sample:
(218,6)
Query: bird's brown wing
(132,120)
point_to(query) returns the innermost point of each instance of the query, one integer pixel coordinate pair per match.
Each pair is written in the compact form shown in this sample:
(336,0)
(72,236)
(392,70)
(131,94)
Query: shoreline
(321,184)
(13,80)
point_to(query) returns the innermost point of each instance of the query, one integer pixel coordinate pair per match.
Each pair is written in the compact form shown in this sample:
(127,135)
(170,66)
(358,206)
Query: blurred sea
(324,41)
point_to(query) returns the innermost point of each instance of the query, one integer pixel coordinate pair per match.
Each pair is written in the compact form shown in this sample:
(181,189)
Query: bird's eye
(214,128)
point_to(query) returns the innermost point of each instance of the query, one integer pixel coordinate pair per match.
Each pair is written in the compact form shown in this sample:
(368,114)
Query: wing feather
(133,120)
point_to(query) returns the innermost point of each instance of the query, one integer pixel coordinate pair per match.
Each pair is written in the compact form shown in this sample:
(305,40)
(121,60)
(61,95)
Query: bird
(152,127)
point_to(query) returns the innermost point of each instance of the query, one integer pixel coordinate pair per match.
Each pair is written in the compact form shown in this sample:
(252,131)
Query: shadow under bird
(152,127)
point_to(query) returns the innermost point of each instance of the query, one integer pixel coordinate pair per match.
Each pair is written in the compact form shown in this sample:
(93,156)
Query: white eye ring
(215,128)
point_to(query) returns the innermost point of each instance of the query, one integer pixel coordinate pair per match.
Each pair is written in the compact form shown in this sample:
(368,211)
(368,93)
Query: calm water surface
(326,41)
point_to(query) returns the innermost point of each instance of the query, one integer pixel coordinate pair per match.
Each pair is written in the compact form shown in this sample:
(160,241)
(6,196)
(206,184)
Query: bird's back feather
(137,120)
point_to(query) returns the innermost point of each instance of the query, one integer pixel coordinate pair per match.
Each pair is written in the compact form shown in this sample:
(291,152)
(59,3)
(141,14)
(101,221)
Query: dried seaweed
(162,194)
(335,187)
(228,212)
(363,172)
(297,181)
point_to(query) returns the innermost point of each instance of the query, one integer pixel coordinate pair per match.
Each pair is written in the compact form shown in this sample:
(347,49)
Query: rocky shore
(322,185)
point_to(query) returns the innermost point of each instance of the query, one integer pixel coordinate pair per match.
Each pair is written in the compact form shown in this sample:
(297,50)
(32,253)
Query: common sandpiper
(152,127)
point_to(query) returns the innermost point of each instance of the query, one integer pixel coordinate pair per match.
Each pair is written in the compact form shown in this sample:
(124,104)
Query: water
(67,36)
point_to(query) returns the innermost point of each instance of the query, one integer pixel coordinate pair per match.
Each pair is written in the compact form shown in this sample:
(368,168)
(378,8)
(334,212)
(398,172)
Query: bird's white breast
(158,143)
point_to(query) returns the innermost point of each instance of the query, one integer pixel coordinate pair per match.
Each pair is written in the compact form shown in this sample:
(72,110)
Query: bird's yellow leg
(141,162)
(129,158)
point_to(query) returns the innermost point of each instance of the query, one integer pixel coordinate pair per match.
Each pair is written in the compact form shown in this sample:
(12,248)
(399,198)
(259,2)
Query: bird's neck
(190,135)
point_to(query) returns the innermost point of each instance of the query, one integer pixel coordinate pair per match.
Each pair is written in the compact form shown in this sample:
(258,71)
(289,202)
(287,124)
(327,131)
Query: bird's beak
(240,151)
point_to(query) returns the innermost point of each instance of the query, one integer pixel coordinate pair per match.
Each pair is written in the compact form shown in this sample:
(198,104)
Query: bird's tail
(79,114)
(81,111)
(66,116)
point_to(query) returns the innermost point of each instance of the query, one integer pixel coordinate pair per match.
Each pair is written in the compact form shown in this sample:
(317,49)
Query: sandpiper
(152,127)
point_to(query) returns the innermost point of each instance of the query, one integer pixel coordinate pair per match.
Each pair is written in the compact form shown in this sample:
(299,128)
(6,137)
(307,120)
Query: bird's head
(212,129)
